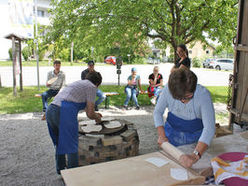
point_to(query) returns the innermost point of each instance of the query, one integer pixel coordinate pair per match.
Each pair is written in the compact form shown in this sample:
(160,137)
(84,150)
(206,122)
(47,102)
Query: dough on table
(112,124)
(179,174)
(91,128)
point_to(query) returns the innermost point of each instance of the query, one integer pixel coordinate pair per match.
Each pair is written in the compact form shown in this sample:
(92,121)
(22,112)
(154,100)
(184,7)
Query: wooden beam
(14,65)
(20,60)
(237,114)
(241,48)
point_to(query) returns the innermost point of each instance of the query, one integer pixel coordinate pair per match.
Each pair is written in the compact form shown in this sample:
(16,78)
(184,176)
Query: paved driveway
(205,76)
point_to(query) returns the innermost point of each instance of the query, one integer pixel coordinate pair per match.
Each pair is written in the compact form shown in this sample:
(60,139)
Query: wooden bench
(108,94)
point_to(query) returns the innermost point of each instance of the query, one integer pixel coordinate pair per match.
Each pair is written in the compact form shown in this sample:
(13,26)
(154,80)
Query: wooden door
(239,102)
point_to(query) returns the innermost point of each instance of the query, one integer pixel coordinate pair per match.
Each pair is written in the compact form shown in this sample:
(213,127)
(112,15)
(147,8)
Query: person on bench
(156,83)
(55,81)
(191,116)
(99,93)
(131,89)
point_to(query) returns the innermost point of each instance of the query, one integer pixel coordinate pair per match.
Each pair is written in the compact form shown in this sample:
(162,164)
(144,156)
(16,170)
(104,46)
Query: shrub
(139,60)
(10,54)
(196,62)
(26,53)
(64,55)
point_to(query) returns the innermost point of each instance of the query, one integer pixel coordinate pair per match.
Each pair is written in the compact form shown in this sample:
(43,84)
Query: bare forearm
(201,147)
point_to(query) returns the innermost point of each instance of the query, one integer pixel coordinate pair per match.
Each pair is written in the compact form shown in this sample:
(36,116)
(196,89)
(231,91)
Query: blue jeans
(47,95)
(53,118)
(157,91)
(100,96)
(131,92)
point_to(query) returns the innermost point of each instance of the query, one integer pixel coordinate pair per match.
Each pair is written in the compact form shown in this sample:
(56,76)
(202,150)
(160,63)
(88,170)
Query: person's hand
(98,118)
(187,160)
(48,85)
(142,91)
(161,140)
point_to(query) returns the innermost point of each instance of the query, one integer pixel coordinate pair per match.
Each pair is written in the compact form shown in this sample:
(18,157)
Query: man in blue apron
(191,117)
(62,118)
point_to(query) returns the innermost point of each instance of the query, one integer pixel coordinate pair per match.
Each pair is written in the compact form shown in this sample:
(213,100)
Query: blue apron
(182,132)
(68,128)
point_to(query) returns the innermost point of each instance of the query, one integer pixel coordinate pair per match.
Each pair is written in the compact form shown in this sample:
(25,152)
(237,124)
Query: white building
(6,27)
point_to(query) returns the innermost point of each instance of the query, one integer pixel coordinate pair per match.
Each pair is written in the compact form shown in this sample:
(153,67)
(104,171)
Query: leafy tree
(129,22)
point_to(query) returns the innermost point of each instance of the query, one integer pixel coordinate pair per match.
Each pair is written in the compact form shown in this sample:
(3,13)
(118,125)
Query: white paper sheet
(179,174)
(159,162)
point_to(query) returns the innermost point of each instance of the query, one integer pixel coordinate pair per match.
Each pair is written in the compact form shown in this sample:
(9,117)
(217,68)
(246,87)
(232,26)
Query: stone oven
(112,139)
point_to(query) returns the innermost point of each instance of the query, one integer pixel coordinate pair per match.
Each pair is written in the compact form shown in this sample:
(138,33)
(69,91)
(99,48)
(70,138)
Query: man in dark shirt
(99,93)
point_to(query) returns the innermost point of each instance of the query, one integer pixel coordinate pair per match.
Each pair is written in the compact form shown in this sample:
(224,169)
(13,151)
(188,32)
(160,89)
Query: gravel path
(26,150)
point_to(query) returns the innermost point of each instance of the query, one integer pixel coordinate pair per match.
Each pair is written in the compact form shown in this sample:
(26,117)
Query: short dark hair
(94,77)
(183,46)
(57,62)
(182,81)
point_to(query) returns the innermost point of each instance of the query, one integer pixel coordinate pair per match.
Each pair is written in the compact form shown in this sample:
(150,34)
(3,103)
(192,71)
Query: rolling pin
(171,150)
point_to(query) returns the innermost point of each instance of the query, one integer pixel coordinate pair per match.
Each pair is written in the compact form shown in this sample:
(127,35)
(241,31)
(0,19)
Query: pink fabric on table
(234,156)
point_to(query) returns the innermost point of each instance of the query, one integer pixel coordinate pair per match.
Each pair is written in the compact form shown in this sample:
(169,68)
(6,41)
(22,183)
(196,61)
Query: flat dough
(179,174)
(87,122)
(107,119)
(51,81)
(159,162)
(112,124)
(91,128)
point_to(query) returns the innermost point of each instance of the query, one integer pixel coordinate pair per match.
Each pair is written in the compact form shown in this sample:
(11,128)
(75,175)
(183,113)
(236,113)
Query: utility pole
(37,47)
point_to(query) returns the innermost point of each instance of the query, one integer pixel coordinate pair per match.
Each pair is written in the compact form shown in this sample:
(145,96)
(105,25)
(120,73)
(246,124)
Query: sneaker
(43,117)
(125,107)
(137,107)
(153,101)
(96,108)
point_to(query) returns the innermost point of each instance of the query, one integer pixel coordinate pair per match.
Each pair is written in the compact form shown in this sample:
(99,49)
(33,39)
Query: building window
(207,52)
(41,13)
(190,51)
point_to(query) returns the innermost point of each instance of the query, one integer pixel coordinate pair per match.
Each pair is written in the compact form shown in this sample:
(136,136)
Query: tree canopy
(129,23)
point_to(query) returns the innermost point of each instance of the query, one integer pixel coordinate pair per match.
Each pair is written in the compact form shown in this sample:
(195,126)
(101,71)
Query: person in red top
(156,84)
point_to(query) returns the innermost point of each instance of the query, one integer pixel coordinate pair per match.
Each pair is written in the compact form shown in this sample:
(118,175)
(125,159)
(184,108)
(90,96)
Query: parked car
(221,64)
(110,60)
(153,61)
(206,62)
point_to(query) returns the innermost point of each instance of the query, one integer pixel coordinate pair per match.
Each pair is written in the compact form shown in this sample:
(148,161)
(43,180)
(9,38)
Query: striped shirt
(200,106)
(59,83)
(81,91)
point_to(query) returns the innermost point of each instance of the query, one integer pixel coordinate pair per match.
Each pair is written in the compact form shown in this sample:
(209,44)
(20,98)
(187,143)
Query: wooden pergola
(16,54)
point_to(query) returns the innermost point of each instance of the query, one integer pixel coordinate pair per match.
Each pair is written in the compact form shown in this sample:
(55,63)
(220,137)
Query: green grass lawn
(26,102)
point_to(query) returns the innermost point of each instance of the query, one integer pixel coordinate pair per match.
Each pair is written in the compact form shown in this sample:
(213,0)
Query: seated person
(131,89)
(99,93)
(191,117)
(156,83)
(183,61)
(53,87)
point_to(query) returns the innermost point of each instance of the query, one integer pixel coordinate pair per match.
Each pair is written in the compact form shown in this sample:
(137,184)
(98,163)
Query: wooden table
(136,171)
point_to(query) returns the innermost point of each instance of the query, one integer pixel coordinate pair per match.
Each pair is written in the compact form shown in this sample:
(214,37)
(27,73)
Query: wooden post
(20,60)
(14,65)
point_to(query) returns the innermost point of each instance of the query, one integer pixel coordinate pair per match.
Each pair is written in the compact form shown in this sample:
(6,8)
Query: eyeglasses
(186,98)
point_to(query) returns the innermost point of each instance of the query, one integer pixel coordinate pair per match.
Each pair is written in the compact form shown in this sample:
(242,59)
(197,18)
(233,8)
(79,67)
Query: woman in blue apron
(191,117)
(62,118)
